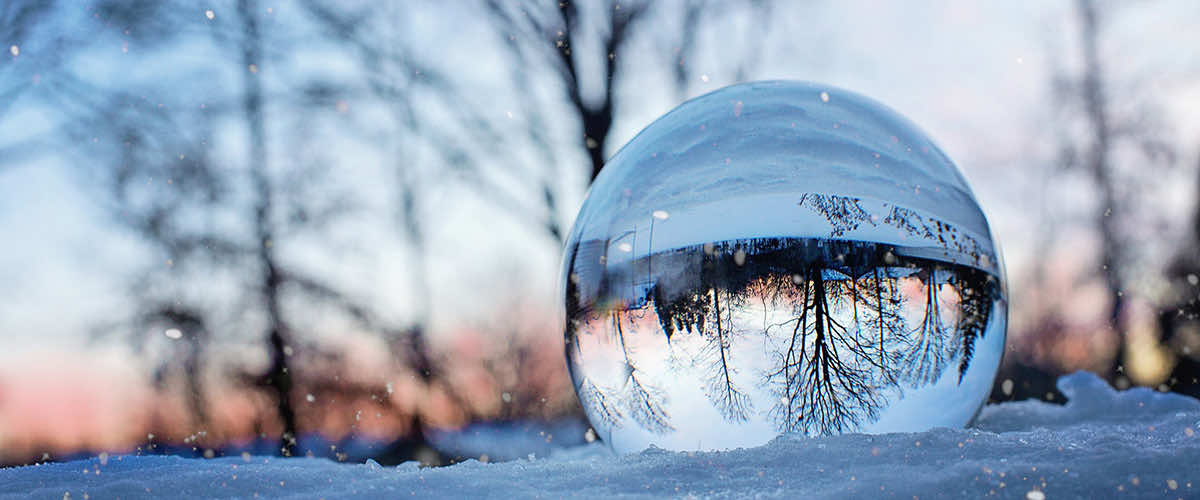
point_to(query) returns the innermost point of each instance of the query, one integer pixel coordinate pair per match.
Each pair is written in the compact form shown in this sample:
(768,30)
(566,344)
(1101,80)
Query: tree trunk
(278,378)
(1099,165)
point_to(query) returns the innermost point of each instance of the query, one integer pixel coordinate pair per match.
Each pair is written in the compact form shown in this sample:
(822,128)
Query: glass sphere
(780,257)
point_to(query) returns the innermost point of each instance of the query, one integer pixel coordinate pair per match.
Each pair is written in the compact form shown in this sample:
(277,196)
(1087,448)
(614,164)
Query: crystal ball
(780,257)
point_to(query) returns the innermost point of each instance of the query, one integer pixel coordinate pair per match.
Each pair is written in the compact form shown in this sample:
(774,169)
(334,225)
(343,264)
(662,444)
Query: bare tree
(1105,133)
(822,385)
(977,294)
(832,316)
(159,171)
(645,401)
(881,302)
(725,394)
(278,376)
(1097,161)
(395,80)
(223,224)
(554,30)
(927,354)
(587,50)
(843,213)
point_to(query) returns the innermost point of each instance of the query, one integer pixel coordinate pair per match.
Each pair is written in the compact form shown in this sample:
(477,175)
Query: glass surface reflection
(712,302)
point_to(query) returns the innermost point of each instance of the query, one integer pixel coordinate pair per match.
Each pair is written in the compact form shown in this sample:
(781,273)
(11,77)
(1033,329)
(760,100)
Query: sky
(974,76)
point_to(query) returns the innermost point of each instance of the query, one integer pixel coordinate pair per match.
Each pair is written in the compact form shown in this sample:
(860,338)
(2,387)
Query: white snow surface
(1102,444)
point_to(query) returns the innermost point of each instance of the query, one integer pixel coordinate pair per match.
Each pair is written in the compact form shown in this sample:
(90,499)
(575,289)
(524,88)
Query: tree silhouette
(833,321)
(1111,124)
(686,314)
(646,402)
(844,213)
(928,342)
(600,403)
(977,294)
(909,221)
(224,220)
(587,51)
(945,234)
(720,388)
(927,353)
(395,80)
(881,300)
(580,311)
(822,383)
(552,32)
(278,377)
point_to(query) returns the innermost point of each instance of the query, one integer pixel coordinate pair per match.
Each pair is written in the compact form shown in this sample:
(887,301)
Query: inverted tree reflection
(927,354)
(824,382)
(646,401)
(733,403)
(846,325)
(813,335)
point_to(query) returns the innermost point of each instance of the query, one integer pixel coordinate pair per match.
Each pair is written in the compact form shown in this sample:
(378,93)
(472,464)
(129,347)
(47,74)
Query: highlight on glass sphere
(780,257)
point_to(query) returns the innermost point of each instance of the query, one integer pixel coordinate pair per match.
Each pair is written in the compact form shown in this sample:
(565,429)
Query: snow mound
(1136,443)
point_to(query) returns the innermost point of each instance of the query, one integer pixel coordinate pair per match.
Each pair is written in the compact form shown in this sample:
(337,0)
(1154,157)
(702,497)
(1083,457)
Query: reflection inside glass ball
(780,257)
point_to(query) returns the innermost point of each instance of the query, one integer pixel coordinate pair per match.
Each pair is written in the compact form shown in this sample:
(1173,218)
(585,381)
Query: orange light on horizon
(62,402)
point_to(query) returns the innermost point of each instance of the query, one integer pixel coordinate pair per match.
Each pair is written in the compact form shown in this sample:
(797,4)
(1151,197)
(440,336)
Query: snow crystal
(1103,443)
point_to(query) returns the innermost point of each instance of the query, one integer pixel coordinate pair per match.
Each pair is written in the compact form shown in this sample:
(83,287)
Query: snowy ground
(1102,444)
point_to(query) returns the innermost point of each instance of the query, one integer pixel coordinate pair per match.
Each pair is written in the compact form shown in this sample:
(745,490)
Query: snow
(1136,443)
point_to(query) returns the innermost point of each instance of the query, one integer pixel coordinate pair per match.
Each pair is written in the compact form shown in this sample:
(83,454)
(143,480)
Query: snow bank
(1102,444)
